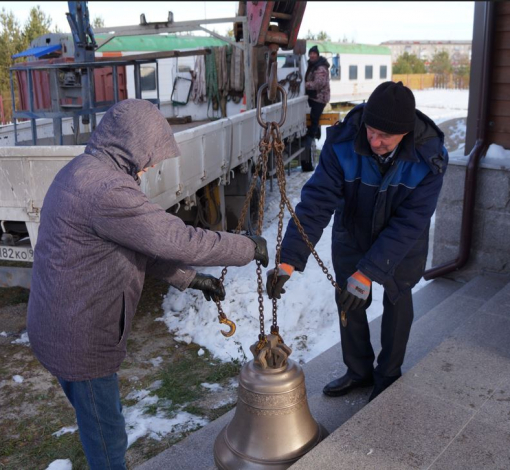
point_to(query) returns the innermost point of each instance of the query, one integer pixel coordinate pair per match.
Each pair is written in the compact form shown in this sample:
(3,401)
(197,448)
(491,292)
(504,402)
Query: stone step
(451,409)
(196,451)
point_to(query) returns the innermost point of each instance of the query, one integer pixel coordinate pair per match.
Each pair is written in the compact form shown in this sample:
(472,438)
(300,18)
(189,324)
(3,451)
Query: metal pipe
(468,208)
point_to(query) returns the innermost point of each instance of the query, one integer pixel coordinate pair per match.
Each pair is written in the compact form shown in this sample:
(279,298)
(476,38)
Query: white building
(356,69)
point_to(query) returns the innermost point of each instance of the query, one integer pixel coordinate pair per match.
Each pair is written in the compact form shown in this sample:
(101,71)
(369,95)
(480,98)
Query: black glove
(261,253)
(277,289)
(209,285)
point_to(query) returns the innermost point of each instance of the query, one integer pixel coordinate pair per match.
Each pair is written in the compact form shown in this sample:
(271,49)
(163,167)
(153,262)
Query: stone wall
(490,250)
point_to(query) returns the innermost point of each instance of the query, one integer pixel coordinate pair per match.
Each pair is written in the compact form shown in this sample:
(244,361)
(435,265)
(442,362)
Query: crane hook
(230,324)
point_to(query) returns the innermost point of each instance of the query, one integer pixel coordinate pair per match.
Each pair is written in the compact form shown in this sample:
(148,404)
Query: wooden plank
(501,58)
(501,75)
(499,107)
(327,119)
(500,124)
(502,40)
(500,91)
(502,8)
(503,23)
(499,138)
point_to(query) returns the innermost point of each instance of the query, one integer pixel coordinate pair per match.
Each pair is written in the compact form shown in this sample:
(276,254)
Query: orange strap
(359,276)
(287,268)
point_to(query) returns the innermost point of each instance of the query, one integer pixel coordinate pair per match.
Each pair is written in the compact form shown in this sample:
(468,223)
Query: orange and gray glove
(275,289)
(355,292)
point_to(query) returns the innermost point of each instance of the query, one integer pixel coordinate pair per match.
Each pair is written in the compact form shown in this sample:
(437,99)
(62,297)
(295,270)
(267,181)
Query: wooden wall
(499,94)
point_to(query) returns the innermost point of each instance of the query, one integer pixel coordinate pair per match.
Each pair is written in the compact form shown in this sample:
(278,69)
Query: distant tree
(408,63)
(230,33)
(98,22)
(11,42)
(323,36)
(310,36)
(440,63)
(464,68)
(38,23)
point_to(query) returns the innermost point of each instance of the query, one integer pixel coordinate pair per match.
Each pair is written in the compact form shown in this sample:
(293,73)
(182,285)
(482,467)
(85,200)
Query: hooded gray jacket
(99,235)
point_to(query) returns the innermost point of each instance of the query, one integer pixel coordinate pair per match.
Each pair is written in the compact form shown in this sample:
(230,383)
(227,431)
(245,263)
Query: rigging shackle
(283,115)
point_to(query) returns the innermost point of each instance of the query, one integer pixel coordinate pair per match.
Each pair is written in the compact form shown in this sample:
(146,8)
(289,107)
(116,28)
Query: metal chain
(261,165)
(279,146)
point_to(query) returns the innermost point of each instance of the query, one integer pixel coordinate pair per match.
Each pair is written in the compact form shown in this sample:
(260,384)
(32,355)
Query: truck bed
(209,152)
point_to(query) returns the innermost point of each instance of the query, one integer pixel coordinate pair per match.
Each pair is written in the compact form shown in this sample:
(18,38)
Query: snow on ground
(65,430)
(158,425)
(60,464)
(442,105)
(23,339)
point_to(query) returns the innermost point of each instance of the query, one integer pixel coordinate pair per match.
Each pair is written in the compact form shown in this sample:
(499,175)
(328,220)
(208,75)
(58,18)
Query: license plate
(16,253)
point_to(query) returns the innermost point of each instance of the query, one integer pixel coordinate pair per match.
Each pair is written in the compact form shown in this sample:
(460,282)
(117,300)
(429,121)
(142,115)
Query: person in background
(99,236)
(380,172)
(318,92)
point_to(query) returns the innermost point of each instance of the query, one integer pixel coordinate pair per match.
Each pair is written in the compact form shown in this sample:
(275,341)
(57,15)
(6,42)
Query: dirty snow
(212,387)
(23,339)
(65,430)
(60,464)
(158,425)
(157,361)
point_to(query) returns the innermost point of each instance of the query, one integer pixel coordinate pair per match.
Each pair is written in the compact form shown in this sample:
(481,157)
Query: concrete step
(196,451)
(452,408)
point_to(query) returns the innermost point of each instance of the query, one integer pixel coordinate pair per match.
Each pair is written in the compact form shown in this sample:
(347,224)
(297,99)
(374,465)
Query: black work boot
(345,384)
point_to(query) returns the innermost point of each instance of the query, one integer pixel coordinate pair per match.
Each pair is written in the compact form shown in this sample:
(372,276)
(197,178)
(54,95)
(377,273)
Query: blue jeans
(100,421)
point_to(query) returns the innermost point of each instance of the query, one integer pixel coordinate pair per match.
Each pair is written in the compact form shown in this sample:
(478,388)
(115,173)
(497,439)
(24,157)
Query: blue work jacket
(382,219)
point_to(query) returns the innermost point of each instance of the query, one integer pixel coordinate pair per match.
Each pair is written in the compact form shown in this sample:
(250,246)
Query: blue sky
(362,21)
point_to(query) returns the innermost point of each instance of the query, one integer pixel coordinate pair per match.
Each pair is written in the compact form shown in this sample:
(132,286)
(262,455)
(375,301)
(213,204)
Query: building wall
(499,95)
(490,248)
(425,50)
(360,88)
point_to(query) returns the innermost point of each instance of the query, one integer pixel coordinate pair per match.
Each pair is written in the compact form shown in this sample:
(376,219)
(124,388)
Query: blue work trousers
(101,424)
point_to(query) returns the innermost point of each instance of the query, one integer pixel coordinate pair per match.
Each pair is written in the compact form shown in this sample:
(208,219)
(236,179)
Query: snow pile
(498,155)
(18,379)
(60,464)
(158,425)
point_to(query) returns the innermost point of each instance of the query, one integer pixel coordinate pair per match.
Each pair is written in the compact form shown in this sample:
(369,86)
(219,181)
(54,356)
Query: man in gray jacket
(99,236)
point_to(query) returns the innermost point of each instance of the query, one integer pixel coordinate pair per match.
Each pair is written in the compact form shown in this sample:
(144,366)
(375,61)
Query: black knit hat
(314,49)
(391,108)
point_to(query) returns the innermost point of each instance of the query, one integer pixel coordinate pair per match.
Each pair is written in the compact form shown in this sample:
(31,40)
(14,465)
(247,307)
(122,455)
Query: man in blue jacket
(380,173)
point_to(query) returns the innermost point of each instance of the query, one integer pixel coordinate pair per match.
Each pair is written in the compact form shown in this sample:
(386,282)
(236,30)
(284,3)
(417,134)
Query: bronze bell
(272,427)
